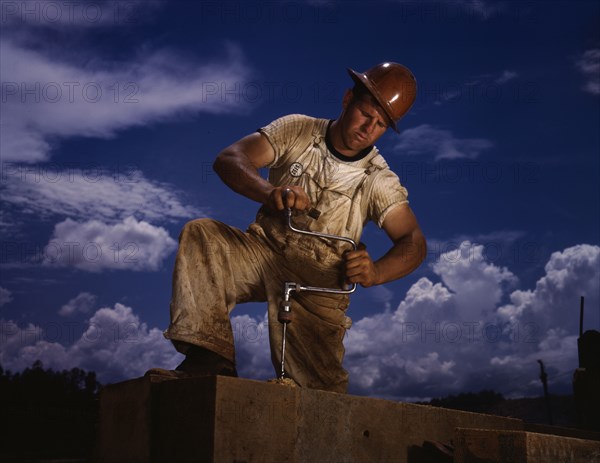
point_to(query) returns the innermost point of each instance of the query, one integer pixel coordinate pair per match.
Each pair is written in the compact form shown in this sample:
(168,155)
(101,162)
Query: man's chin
(362,142)
(355,144)
(360,145)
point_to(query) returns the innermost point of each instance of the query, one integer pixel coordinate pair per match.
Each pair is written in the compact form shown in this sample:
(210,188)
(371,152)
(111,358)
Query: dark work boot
(198,362)
(202,362)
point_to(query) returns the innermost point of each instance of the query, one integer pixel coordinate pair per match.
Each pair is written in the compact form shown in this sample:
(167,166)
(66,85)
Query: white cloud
(399,353)
(118,346)
(553,303)
(478,285)
(442,144)
(496,245)
(589,65)
(114,343)
(82,303)
(424,301)
(253,355)
(94,246)
(45,99)
(13,339)
(557,350)
(423,368)
(5,296)
(456,335)
(43,191)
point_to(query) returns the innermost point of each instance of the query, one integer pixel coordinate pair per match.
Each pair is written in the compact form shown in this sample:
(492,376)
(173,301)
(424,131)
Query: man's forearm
(403,258)
(238,173)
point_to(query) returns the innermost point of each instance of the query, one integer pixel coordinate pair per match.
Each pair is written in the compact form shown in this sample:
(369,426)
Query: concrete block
(254,421)
(125,430)
(502,446)
(562,431)
(363,429)
(222,419)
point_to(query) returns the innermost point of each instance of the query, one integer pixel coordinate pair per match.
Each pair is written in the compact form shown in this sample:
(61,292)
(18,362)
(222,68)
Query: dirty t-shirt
(340,188)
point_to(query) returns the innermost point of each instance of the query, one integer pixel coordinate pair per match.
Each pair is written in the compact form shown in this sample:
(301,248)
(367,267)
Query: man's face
(362,122)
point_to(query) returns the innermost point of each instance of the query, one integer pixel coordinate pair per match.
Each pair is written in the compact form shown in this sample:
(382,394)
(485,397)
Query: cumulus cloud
(553,302)
(438,341)
(253,355)
(459,335)
(424,368)
(497,245)
(589,65)
(82,303)
(14,339)
(95,246)
(5,296)
(478,285)
(47,99)
(425,301)
(117,345)
(107,195)
(114,343)
(442,144)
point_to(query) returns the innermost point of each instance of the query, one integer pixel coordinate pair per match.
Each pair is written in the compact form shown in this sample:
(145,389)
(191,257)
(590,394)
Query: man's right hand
(296,198)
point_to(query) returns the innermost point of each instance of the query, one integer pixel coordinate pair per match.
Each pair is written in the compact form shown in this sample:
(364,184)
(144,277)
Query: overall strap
(365,186)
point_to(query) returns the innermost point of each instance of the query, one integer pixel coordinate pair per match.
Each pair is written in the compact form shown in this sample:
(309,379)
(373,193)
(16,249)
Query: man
(337,181)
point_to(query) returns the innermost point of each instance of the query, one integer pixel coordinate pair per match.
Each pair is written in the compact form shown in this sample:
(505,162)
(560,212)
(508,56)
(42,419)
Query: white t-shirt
(341,190)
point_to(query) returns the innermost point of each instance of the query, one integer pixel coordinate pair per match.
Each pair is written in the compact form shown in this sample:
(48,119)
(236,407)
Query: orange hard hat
(392,85)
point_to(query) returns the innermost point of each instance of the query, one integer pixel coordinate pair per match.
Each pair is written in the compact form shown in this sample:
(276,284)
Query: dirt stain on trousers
(218,266)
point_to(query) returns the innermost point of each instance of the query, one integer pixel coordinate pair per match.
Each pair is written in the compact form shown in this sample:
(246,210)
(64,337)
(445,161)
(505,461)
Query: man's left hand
(360,268)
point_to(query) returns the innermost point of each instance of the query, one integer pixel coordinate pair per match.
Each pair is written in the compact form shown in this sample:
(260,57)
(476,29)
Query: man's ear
(347,98)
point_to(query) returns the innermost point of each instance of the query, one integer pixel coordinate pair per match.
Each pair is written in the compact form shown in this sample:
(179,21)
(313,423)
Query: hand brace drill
(285,315)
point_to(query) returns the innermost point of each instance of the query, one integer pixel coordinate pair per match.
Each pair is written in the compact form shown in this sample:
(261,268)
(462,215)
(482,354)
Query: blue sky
(112,113)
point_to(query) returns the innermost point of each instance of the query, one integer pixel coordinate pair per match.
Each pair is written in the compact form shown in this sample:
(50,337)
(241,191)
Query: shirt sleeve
(387,193)
(285,134)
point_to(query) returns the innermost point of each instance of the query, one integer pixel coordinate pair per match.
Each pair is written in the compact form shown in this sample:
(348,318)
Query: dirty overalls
(219,266)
